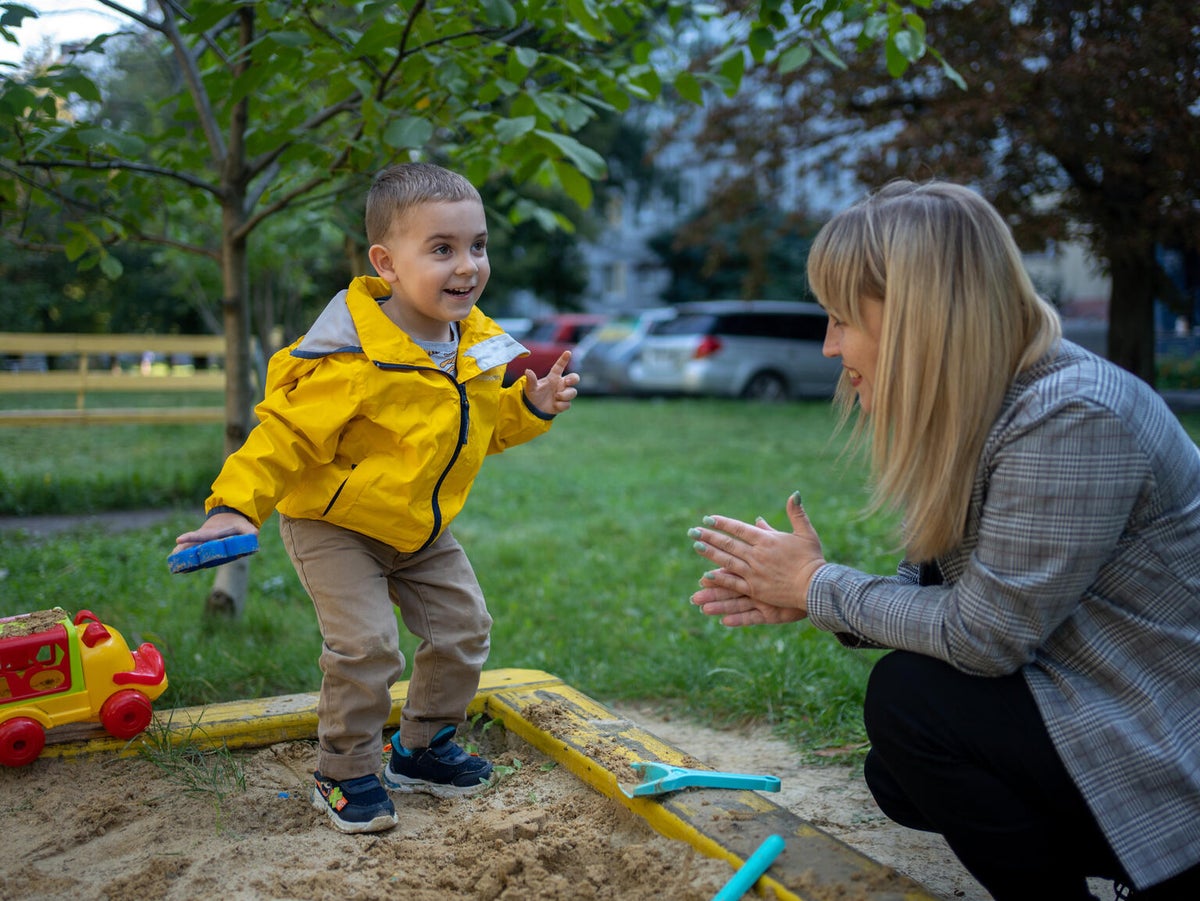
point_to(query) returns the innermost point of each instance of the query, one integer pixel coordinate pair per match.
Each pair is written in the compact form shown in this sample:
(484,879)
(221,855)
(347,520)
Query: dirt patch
(107,828)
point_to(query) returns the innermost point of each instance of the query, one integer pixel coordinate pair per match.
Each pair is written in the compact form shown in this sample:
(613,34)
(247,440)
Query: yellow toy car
(55,670)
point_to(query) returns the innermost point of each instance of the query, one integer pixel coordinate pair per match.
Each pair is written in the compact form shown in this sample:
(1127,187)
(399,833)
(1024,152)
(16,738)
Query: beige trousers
(356,584)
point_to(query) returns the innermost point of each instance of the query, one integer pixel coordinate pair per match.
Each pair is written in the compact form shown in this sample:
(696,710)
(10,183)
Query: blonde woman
(1041,706)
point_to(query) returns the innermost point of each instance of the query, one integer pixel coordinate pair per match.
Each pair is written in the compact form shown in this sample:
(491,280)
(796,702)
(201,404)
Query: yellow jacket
(360,428)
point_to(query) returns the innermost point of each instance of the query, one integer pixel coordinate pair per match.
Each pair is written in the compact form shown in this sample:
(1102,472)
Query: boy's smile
(435,259)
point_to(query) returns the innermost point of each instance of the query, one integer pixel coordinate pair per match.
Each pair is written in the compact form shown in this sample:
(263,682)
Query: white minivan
(758,349)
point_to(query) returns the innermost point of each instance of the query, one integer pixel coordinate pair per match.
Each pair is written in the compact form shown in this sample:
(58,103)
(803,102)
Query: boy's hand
(219,525)
(554,393)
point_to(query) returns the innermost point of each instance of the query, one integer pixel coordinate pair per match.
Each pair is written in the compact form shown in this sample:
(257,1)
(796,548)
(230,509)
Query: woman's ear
(381,259)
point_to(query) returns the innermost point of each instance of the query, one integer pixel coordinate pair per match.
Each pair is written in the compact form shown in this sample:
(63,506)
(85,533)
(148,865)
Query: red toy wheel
(21,741)
(126,713)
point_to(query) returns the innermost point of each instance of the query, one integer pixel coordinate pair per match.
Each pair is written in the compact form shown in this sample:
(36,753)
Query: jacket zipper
(464,425)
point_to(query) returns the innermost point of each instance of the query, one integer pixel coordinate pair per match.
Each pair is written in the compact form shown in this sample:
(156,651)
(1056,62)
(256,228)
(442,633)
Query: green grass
(579,539)
(88,468)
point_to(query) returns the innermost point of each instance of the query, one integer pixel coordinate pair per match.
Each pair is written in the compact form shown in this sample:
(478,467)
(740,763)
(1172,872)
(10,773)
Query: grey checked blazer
(1080,567)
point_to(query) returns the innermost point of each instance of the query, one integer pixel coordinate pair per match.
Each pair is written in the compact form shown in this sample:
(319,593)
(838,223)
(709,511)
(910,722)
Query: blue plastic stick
(743,880)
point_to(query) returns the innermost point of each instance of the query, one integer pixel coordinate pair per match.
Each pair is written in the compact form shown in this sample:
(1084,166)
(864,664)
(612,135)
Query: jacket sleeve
(517,421)
(1058,498)
(300,420)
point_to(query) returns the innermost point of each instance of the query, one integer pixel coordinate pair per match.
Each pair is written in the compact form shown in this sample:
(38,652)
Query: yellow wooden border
(592,741)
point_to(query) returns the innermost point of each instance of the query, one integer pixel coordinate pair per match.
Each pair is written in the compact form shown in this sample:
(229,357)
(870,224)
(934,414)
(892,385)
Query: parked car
(602,358)
(55,669)
(764,350)
(548,338)
(517,326)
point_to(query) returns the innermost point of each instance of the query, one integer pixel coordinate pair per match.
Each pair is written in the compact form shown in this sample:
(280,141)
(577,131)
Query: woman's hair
(398,189)
(960,319)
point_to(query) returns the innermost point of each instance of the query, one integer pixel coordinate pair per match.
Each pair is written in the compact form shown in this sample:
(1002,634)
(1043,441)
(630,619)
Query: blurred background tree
(1079,120)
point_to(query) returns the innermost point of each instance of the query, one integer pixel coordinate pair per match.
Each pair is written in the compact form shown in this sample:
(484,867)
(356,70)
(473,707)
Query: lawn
(579,539)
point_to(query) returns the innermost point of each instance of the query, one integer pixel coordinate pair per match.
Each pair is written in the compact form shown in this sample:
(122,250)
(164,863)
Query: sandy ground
(110,828)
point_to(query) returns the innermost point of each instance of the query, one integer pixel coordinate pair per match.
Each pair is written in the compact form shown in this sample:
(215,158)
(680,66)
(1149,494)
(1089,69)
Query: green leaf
(582,20)
(123,144)
(577,187)
(408,133)
(527,56)
(897,62)
(76,246)
(499,12)
(688,87)
(762,40)
(111,266)
(576,114)
(733,68)
(909,45)
(508,130)
(950,72)
(289,38)
(14,14)
(586,160)
(16,100)
(75,82)
(793,58)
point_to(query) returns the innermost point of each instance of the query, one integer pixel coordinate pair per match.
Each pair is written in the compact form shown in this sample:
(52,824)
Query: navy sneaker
(443,769)
(355,805)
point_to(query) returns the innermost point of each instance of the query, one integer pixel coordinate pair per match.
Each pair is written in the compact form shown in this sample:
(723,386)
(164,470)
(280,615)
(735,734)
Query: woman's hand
(554,393)
(763,574)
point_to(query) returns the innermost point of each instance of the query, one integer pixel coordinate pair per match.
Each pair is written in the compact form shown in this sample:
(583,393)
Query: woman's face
(859,349)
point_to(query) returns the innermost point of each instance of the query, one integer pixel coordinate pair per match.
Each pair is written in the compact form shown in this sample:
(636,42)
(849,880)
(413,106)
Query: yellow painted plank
(76,343)
(114,415)
(249,723)
(596,744)
(95,381)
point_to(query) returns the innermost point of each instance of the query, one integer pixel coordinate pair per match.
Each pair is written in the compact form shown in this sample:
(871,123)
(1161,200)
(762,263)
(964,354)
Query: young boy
(371,432)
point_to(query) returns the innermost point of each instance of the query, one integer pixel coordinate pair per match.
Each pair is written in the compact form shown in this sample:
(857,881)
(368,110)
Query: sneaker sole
(378,824)
(405,785)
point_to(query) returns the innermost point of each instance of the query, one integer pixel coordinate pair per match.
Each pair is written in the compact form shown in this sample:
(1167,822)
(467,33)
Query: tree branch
(105,165)
(254,167)
(191,75)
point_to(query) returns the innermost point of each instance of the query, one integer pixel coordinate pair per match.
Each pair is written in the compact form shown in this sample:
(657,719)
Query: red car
(548,338)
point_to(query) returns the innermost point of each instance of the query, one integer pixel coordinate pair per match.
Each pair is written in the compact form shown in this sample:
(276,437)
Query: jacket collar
(352,322)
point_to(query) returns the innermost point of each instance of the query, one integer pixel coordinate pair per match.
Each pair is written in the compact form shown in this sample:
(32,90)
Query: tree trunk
(228,594)
(1131,313)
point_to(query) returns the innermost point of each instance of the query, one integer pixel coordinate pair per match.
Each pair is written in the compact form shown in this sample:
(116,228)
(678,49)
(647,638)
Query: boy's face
(435,259)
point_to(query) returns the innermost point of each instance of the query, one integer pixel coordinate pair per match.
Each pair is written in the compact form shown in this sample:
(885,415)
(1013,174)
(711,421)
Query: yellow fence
(97,372)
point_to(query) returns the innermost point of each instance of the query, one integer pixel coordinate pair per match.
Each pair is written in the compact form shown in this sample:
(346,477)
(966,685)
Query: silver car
(759,349)
(602,358)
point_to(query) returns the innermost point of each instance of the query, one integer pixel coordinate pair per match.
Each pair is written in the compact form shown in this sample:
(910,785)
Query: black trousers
(969,758)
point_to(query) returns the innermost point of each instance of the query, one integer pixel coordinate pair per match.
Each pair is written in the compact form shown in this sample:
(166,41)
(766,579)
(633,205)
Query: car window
(617,328)
(742,325)
(579,332)
(801,327)
(685,324)
(792,326)
(542,331)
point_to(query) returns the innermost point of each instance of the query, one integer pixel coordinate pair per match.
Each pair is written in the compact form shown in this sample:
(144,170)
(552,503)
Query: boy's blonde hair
(960,319)
(397,189)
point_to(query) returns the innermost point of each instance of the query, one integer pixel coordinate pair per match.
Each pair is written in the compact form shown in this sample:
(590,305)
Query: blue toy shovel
(758,862)
(212,553)
(660,778)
